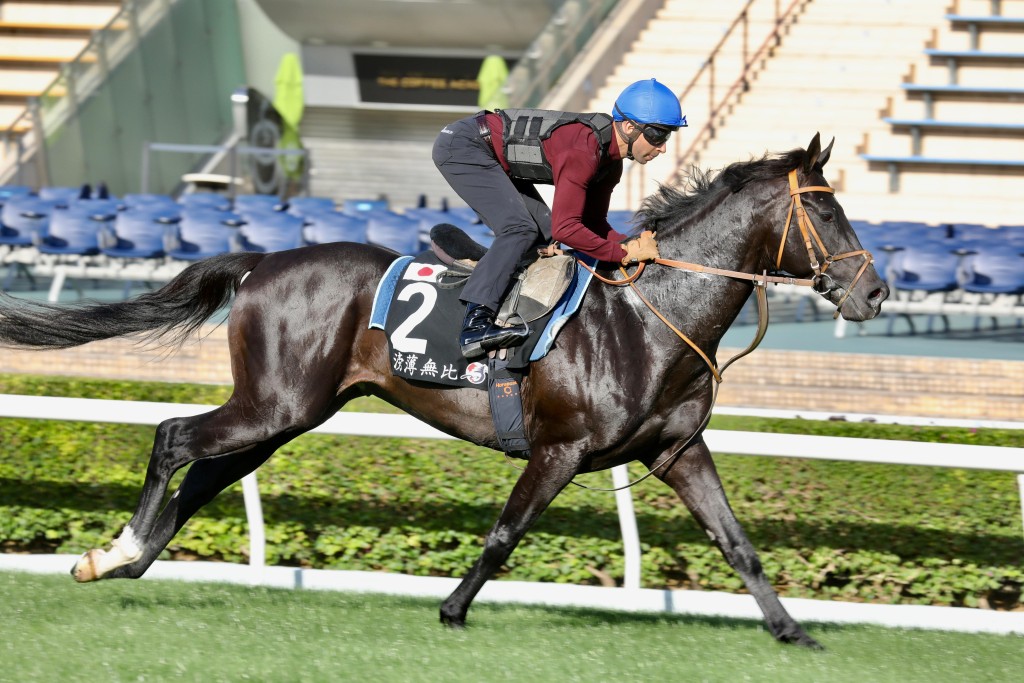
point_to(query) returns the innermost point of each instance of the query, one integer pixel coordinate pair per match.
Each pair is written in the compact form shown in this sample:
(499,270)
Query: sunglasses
(655,135)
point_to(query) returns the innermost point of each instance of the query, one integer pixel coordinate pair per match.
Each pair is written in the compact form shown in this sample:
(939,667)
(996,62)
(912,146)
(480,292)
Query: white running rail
(740,443)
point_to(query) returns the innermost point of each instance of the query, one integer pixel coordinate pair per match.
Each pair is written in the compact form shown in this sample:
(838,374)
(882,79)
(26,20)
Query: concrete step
(25,82)
(51,50)
(722,10)
(992,110)
(984,8)
(9,113)
(93,15)
(953,145)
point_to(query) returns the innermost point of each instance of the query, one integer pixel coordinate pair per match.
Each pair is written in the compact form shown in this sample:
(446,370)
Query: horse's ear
(812,154)
(825,153)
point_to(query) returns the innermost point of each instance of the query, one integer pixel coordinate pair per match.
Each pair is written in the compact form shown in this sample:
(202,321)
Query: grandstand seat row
(919,257)
(202,224)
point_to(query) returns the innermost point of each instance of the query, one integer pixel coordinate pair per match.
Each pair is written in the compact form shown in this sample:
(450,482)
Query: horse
(617,387)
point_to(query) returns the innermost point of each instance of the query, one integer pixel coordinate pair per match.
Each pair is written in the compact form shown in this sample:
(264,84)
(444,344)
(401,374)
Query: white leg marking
(127,545)
(123,550)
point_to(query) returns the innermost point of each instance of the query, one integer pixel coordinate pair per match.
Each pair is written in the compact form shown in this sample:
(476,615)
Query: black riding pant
(512,209)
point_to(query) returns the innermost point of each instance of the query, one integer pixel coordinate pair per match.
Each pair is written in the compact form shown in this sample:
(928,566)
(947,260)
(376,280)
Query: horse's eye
(827,217)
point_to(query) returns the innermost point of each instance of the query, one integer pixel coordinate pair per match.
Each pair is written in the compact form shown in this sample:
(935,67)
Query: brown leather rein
(761,281)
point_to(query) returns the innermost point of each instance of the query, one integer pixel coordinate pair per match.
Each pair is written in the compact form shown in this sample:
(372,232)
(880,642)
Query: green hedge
(849,531)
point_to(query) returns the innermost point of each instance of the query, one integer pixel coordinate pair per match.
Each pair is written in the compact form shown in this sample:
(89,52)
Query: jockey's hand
(549,251)
(641,248)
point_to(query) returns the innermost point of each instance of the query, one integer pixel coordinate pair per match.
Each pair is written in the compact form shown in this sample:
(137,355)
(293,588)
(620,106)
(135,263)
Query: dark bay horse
(618,386)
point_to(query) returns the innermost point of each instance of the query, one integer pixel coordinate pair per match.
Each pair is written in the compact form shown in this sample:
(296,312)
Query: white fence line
(739,443)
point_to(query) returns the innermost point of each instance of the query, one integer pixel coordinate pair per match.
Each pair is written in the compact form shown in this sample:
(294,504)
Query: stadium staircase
(37,38)
(859,72)
(367,153)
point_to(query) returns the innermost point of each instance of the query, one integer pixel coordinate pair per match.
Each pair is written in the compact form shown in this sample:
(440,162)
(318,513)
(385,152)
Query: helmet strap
(630,139)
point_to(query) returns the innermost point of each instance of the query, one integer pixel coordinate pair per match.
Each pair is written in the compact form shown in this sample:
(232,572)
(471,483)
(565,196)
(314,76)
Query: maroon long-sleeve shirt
(579,211)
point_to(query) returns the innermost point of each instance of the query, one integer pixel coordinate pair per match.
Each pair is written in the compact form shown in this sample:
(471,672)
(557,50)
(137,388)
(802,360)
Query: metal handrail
(550,53)
(715,107)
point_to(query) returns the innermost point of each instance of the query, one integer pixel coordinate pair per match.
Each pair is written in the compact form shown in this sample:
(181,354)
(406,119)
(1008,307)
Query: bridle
(821,282)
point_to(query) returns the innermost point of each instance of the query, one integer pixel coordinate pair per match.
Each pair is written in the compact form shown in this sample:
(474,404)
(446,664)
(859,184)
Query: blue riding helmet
(649,102)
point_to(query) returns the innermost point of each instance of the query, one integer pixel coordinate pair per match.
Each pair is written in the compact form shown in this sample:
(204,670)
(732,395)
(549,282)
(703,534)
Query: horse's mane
(670,203)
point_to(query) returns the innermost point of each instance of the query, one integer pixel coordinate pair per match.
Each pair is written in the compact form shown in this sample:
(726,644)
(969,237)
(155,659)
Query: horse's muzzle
(857,307)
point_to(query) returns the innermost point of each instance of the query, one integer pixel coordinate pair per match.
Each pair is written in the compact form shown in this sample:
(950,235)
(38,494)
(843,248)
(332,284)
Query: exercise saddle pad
(418,308)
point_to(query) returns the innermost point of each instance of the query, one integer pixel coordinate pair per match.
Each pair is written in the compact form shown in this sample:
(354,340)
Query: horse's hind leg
(694,477)
(544,478)
(178,442)
(203,481)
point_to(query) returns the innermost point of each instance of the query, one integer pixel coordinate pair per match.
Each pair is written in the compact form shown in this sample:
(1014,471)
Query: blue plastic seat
(920,268)
(482,235)
(8,191)
(622,221)
(201,234)
(427,218)
(394,231)
(23,219)
(61,195)
(992,272)
(1013,237)
(333,226)
(75,231)
(464,213)
(304,206)
(205,200)
(151,201)
(249,203)
(357,206)
(959,230)
(136,233)
(106,207)
(269,231)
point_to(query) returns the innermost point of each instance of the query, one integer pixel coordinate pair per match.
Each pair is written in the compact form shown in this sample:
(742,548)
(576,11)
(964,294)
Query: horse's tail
(169,315)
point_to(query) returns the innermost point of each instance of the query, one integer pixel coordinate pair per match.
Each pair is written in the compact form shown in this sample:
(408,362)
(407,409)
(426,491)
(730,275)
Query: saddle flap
(539,289)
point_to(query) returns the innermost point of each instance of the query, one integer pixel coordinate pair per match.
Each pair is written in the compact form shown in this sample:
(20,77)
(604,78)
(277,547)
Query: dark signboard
(418,79)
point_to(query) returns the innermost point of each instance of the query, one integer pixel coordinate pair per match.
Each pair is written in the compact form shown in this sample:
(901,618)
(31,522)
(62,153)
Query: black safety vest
(525,129)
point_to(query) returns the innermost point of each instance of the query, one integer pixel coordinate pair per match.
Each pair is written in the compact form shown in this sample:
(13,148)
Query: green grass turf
(55,630)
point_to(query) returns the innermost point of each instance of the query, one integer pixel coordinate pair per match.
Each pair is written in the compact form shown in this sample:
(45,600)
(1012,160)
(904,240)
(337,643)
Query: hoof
(453,622)
(85,569)
(802,640)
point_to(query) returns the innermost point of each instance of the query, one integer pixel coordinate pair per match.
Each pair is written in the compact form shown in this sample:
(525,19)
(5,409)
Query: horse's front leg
(544,477)
(694,477)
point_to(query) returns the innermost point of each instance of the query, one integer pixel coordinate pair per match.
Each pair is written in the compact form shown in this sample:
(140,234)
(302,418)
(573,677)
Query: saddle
(538,282)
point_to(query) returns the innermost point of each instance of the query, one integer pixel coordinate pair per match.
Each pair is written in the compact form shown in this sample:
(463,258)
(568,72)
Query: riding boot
(480,334)
(479,319)
(503,337)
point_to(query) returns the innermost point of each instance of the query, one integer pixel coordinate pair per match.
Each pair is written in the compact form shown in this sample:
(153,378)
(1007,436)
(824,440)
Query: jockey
(494,159)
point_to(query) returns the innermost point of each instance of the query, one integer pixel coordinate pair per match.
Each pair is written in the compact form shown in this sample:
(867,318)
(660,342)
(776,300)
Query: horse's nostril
(877,294)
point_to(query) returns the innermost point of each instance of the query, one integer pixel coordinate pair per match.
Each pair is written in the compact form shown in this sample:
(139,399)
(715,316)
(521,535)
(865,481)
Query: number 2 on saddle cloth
(417,306)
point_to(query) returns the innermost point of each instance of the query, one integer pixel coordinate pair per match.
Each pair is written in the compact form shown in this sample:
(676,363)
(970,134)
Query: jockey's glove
(641,248)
